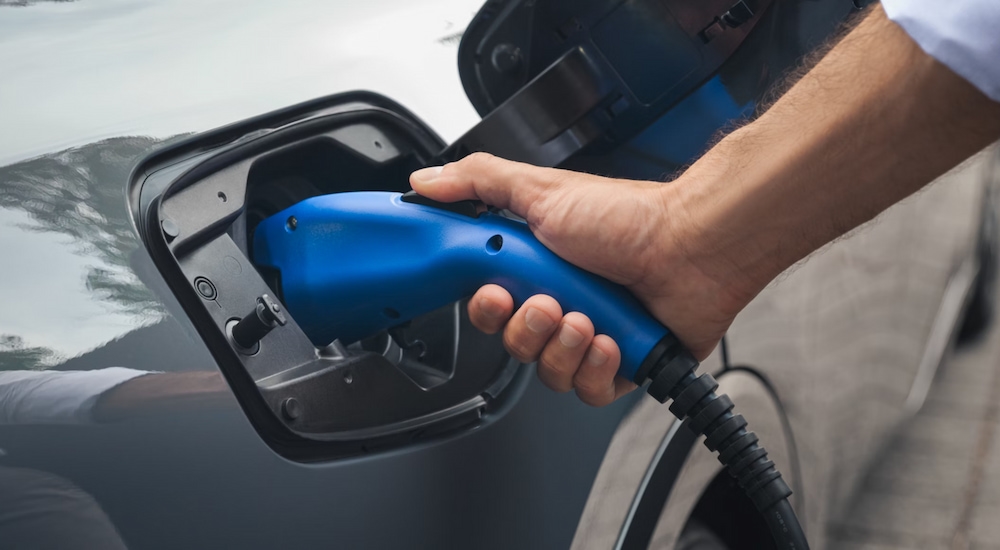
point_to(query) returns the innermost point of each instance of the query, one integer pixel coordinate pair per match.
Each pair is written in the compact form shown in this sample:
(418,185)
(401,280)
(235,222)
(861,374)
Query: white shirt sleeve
(56,397)
(962,34)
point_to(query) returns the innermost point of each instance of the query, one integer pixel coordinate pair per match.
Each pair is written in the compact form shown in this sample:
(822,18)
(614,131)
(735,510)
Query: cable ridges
(711,415)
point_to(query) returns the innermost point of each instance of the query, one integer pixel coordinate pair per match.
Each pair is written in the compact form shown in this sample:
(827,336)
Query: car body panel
(842,334)
(183,467)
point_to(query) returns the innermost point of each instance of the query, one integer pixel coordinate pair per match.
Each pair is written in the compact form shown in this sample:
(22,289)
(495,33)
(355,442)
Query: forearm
(873,122)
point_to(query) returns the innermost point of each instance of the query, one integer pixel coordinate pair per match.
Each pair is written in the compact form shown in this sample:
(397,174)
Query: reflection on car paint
(42,510)
(103,395)
(96,69)
(66,229)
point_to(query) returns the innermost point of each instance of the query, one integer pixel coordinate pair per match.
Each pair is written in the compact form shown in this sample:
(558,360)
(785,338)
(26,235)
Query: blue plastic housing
(353,264)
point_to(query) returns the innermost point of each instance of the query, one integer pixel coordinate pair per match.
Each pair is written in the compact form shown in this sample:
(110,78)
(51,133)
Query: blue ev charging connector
(352,264)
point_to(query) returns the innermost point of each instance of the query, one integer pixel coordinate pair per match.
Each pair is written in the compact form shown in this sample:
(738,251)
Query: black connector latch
(266,316)
(471,209)
(737,15)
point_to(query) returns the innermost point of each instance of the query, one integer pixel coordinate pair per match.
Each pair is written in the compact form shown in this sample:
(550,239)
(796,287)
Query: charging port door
(552,78)
(627,88)
(196,205)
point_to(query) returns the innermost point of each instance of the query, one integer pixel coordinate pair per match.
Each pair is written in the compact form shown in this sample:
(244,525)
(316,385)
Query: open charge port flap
(430,376)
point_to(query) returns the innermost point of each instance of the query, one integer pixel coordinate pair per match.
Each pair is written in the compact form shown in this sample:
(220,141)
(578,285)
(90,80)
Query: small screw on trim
(506,58)
(291,408)
(170,229)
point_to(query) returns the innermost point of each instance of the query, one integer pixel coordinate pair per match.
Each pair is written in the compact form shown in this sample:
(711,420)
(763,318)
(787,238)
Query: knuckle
(479,157)
(555,366)
(593,391)
(588,388)
(553,377)
(520,350)
(594,400)
(484,325)
(521,353)
(554,384)
(479,320)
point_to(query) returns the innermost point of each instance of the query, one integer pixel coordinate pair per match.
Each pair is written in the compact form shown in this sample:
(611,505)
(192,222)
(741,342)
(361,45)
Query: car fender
(654,471)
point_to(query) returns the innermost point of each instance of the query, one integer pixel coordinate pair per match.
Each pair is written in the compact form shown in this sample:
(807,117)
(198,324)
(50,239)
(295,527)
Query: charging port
(199,204)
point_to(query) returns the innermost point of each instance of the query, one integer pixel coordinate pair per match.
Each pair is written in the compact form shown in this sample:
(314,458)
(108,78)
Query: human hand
(634,233)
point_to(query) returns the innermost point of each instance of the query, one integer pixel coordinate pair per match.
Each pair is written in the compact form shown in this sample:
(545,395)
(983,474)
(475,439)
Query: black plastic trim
(511,44)
(202,228)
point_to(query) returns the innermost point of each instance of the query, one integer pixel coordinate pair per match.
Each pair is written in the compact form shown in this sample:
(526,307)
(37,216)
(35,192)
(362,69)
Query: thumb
(481,176)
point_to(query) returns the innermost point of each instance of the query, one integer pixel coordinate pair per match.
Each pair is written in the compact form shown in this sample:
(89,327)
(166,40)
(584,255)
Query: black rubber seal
(710,413)
(661,354)
(690,396)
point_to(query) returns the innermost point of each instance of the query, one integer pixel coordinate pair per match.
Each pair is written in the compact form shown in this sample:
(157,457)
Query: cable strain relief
(750,466)
(664,350)
(670,367)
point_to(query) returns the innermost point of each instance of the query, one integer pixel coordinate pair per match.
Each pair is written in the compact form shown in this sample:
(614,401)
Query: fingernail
(537,321)
(570,337)
(595,357)
(490,308)
(426,175)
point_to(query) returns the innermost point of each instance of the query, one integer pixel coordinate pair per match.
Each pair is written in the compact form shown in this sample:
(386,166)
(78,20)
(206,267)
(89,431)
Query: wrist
(700,250)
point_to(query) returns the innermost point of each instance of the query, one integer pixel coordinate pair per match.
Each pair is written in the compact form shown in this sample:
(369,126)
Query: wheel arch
(654,476)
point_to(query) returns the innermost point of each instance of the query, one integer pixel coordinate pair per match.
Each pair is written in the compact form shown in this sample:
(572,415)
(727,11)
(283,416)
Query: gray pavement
(937,484)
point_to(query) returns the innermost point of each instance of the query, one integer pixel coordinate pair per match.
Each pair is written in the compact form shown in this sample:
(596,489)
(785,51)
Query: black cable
(669,368)
(724,352)
(781,519)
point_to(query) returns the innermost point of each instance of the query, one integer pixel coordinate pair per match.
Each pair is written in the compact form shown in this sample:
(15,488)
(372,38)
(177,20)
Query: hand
(634,233)
(695,251)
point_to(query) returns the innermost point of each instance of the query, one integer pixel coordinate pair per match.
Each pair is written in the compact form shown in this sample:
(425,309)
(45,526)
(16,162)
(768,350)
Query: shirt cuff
(964,36)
